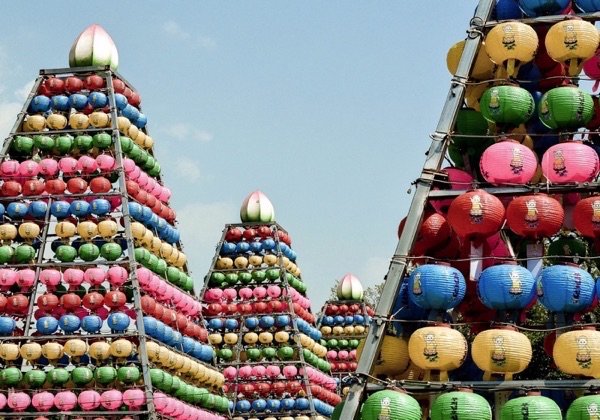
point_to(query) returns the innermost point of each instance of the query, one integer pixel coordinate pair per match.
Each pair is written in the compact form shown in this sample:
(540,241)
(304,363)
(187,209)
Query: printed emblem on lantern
(494,105)
(476,211)
(570,40)
(515,283)
(385,413)
(544,109)
(508,39)
(539,288)
(499,353)
(558,163)
(577,291)
(593,411)
(596,214)
(531,217)
(516,163)
(430,351)
(417,284)
(584,355)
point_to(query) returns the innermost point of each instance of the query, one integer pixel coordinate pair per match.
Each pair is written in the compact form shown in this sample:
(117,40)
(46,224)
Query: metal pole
(433,162)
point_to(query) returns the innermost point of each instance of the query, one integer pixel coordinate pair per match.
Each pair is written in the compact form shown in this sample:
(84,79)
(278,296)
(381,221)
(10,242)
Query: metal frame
(433,162)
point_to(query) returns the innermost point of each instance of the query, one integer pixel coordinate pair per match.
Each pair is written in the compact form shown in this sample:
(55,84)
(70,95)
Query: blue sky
(324,106)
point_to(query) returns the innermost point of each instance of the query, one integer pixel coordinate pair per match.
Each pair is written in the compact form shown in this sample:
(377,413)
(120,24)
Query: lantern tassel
(476,262)
(510,67)
(535,252)
(575,66)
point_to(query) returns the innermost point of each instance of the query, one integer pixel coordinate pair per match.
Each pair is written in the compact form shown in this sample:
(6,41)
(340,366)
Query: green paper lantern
(195,394)
(157,377)
(273,274)
(253,354)
(245,277)
(155,171)
(135,153)
(152,263)
(161,266)
(230,278)
(471,123)
(167,382)
(208,401)
(392,405)
(105,375)
(63,144)
(24,253)
(182,392)
(7,253)
(142,255)
(82,375)
(84,142)
(510,105)
(259,276)
(35,378)
(128,374)
(225,354)
(101,140)
(269,352)
(150,162)
(533,407)
(221,404)
(569,249)
(126,144)
(42,142)
(456,155)
(173,274)
(175,383)
(11,376)
(584,408)
(461,406)
(94,47)
(89,251)
(111,251)
(22,144)
(188,286)
(217,278)
(566,107)
(66,253)
(58,376)
(285,353)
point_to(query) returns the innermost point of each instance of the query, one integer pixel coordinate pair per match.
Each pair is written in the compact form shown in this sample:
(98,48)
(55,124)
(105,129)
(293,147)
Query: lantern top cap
(94,47)
(257,207)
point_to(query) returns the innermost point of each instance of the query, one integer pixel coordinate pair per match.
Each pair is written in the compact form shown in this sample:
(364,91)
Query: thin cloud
(176,31)
(188,168)
(186,132)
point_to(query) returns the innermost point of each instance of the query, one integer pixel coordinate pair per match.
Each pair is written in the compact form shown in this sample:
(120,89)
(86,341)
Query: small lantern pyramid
(260,319)
(98,316)
(343,324)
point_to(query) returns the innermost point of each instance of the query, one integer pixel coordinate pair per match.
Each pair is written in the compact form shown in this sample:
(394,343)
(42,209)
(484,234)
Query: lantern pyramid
(343,324)
(512,224)
(98,316)
(259,318)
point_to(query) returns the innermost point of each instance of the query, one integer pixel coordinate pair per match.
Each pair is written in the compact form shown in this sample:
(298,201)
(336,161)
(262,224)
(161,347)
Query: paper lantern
(572,42)
(257,207)
(570,162)
(508,162)
(506,287)
(586,407)
(94,47)
(65,400)
(392,358)
(531,407)
(437,348)
(565,107)
(436,286)
(349,288)
(483,68)
(433,232)
(476,214)
(390,404)
(510,44)
(586,217)
(507,105)
(535,216)
(18,401)
(460,405)
(565,288)
(578,353)
(501,351)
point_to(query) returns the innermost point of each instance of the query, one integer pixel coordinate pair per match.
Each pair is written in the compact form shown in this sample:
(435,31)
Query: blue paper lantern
(97,100)
(231,324)
(40,103)
(146,214)
(243,406)
(120,101)
(301,404)
(206,353)
(266,322)
(69,323)
(349,320)
(130,112)
(242,247)
(255,247)
(167,334)
(2,209)
(436,286)
(153,222)
(38,209)
(187,345)
(268,244)
(282,321)
(259,405)
(60,209)
(251,322)
(141,121)
(508,9)
(118,321)
(565,288)
(273,405)
(7,325)
(46,325)
(587,6)
(215,324)
(61,103)
(506,287)
(160,330)
(287,404)
(100,206)
(80,208)
(177,340)
(78,101)
(359,319)
(227,248)
(91,323)
(338,320)
(135,210)
(17,210)
(533,8)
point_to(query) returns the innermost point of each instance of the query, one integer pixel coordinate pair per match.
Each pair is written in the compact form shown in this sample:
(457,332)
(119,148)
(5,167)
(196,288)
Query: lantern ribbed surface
(572,41)
(510,44)
(586,217)
(389,404)
(578,352)
(437,348)
(565,107)
(533,8)
(533,407)
(508,162)
(434,231)
(393,356)
(570,162)
(501,351)
(535,216)
(587,6)
(565,288)
(461,406)
(476,214)
(470,123)
(483,69)
(508,104)
(436,286)
(506,287)
(584,408)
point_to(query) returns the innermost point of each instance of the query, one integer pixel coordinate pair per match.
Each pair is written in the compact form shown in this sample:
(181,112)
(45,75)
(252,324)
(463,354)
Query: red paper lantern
(263,388)
(132,187)
(294,387)
(231,308)
(476,214)
(278,387)
(181,322)
(169,316)
(100,185)
(247,389)
(264,231)
(433,232)
(115,299)
(457,179)
(47,302)
(93,301)
(245,308)
(118,85)
(148,304)
(332,310)
(134,99)
(55,186)
(17,304)
(276,306)
(94,82)
(73,84)
(249,234)
(11,189)
(70,301)
(535,216)
(508,162)
(153,203)
(55,85)
(33,187)
(77,185)
(215,309)
(234,235)
(586,217)
(159,310)
(261,307)
(3,302)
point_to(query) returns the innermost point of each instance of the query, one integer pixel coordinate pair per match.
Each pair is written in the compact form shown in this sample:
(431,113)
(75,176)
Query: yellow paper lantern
(437,348)
(166,249)
(8,232)
(152,349)
(34,123)
(75,347)
(572,41)
(9,351)
(473,93)
(56,121)
(215,339)
(578,352)
(349,330)
(194,367)
(326,330)
(172,360)
(29,230)
(99,119)
(501,351)
(31,351)
(100,350)
(179,360)
(87,230)
(175,253)
(392,358)
(337,330)
(241,262)
(121,348)
(138,230)
(483,69)
(107,228)
(250,338)
(79,121)
(156,245)
(163,356)
(202,374)
(132,132)
(412,373)
(265,337)
(282,336)
(146,240)
(230,338)
(52,350)
(224,263)
(148,142)
(181,260)
(220,380)
(270,259)
(186,366)
(65,229)
(511,44)
(297,272)
(359,329)
(255,260)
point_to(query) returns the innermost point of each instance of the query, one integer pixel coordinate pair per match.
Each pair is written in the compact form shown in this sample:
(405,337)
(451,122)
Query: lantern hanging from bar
(501,351)
(507,106)
(508,162)
(586,407)
(570,161)
(506,287)
(511,44)
(476,214)
(483,69)
(578,352)
(436,286)
(565,107)
(586,217)
(461,405)
(572,42)
(535,216)
(565,288)
(391,405)
(531,407)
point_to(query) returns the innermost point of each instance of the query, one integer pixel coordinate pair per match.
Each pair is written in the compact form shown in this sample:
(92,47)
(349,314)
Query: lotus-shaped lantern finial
(94,47)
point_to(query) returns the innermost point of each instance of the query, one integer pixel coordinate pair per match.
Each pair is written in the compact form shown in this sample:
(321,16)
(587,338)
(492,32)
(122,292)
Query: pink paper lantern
(259,292)
(50,277)
(343,355)
(457,180)
(213,295)
(106,163)
(3,401)
(9,168)
(29,168)
(48,167)
(160,401)
(149,187)
(165,195)
(508,162)
(154,284)
(290,371)
(18,401)
(142,179)
(128,166)
(331,355)
(591,68)
(7,278)
(134,398)
(68,165)
(245,372)
(43,401)
(245,293)
(117,275)
(111,399)
(170,407)
(156,190)
(134,175)
(89,400)
(87,164)
(273,371)
(274,291)
(144,276)
(259,371)
(65,400)
(94,276)
(229,294)
(73,276)
(26,278)
(230,372)
(570,162)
